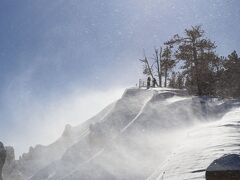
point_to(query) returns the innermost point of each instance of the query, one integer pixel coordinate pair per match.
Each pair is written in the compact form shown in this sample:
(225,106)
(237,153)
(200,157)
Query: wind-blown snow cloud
(53,52)
(37,121)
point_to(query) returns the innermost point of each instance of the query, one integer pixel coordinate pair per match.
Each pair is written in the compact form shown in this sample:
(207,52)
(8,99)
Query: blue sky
(52,52)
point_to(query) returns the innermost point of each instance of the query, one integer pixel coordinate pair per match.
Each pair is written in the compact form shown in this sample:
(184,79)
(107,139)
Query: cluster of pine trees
(191,62)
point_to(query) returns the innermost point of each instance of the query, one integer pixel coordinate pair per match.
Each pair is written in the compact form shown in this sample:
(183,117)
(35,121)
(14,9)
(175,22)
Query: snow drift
(147,134)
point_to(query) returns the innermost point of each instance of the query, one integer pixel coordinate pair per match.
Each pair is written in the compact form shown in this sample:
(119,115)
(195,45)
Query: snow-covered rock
(229,162)
(226,167)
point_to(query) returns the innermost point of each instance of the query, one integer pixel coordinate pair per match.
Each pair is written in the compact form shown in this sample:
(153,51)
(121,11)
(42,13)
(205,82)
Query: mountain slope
(139,137)
(138,134)
(41,156)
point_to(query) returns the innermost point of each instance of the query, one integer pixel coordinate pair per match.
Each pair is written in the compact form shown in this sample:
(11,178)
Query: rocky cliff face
(10,168)
(3,155)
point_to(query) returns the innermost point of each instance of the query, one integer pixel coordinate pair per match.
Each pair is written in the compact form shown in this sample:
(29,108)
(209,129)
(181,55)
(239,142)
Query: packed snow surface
(200,147)
(147,134)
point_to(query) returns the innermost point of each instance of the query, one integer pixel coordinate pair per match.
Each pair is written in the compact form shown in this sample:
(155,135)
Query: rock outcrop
(3,155)
(225,168)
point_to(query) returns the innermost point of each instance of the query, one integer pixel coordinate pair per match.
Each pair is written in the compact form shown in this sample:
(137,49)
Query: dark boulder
(226,167)
(3,155)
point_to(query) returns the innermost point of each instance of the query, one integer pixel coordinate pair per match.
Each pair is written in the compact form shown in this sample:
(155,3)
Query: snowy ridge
(137,113)
(147,134)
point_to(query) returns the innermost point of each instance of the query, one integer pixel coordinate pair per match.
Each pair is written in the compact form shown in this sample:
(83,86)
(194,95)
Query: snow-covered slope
(147,134)
(200,146)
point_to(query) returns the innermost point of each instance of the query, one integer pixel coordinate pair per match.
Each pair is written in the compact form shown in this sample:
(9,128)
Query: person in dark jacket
(148,82)
(154,82)
(3,155)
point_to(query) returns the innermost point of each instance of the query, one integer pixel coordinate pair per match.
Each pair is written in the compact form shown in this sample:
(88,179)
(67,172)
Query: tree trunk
(199,89)
(159,67)
(165,83)
(150,71)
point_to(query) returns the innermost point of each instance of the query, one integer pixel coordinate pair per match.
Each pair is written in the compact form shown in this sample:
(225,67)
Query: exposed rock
(67,131)
(9,162)
(226,167)
(10,168)
(10,154)
(3,155)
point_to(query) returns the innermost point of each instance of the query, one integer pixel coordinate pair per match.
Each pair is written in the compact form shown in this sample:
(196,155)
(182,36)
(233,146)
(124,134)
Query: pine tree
(167,63)
(196,52)
(203,72)
(231,75)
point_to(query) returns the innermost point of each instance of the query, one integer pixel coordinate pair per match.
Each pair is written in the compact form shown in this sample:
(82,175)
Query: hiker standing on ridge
(148,82)
(154,82)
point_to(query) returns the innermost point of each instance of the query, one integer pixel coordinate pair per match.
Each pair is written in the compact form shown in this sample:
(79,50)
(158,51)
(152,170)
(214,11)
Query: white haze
(40,122)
